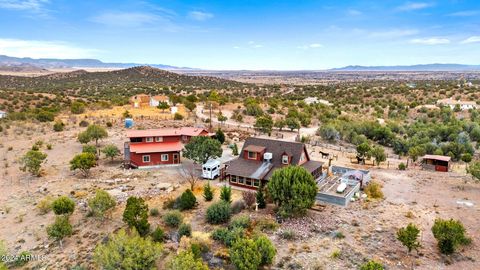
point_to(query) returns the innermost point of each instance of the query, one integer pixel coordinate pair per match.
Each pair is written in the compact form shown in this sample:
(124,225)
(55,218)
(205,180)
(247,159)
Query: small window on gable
(285,159)
(149,139)
(159,139)
(252,155)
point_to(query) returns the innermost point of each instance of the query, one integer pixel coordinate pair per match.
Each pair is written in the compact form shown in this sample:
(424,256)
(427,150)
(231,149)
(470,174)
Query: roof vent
(267,156)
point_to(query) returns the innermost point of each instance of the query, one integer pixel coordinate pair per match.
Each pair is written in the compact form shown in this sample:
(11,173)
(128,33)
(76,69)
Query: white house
(3,114)
(452,103)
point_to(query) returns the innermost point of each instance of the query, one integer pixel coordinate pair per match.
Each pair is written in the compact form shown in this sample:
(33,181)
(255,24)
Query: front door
(175,159)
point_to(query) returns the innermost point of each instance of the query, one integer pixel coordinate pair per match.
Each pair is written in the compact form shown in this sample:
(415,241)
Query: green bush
(408,237)
(219,212)
(58,126)
(101,203)
(184,230)
(226,194)
(238,206)
(136,215)
(240,222)
(374,190)
(187,200)
(158,235)
(154,212)
(208,192)
(63,206)
(266,249)
(22,259)
(173,218)
(371,265)
(186,260)
(244,255)
(260,198)
(449,234)
(228,236)
(402,166)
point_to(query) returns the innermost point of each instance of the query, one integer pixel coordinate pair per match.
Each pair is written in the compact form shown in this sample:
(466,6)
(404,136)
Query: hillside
(119,83)
(426,67)
(72,63)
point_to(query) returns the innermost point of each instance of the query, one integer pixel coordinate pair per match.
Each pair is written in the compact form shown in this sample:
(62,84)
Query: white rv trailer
(211,169)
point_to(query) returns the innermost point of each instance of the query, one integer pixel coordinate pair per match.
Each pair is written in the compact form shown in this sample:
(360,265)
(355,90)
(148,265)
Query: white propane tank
(341,188)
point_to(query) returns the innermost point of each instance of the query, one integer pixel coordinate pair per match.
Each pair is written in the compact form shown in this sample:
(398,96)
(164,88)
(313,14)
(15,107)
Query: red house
(259,158)
(153,147)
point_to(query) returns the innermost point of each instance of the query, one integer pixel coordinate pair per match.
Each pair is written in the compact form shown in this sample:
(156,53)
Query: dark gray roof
(263,170)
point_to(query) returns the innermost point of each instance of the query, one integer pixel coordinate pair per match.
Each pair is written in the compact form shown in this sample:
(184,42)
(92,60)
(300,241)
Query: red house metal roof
(156,147)
(187,131)
(437,157)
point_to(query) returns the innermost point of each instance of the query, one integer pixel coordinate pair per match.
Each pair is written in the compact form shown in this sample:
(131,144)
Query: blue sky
(230,34)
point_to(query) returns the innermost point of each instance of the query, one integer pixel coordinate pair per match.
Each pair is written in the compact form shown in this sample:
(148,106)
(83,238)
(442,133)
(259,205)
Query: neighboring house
(140,100)
(259,158)
(155,100)
(3,114)
(452,103)
(153,147)
(315,100)
(436,163)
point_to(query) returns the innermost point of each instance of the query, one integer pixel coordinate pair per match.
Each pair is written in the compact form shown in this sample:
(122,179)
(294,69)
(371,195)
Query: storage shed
(436,163)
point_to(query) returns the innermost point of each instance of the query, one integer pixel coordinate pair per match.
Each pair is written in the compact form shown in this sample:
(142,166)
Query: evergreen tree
(208,192)
(136,215)
(261,198)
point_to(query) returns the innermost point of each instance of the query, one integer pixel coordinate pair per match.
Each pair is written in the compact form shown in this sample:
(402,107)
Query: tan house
(155,100)
(140,100)
(452,103)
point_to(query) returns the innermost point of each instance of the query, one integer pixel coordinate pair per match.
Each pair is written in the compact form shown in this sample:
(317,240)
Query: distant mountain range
(45,63)
(426,67)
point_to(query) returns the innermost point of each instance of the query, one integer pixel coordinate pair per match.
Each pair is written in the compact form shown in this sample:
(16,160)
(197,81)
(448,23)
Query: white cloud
(42,49)
(32,6)
(126,19)
(199,15)
(430,41)
(394,33)
(255,45)
(236,47)
(354,12)
(472,39)
(409,6)
(465,13)
(310,46)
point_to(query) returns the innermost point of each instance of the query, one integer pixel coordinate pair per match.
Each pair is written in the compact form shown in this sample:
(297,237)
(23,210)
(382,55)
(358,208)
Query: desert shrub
(288,234)
(226,194)
(467,157)
(111,151)
(177,116)
(260,198)
(173,218)
(22,259)
(228,236)
(58,126)
(187,200)
(208,192)
(169,203)
(402,166)
(158,235)
(136,215)
(266,225)
(154,212)
(32,162)
(240,222)
(45,205)
(449,234)
(77,107)
(371,265)
(293,189)
(60,228)
(83,123)
(123,251)
(374,190)
(186,260)
(248,198)
(408,237)
(266,249)
(109,124)
(184,230)
(83,162)
(63,206)
(238,206)
(219,212)
(244,255)
(101,203)
(49,146)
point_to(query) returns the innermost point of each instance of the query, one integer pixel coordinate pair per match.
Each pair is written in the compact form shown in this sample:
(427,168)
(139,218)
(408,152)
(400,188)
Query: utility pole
(210,116)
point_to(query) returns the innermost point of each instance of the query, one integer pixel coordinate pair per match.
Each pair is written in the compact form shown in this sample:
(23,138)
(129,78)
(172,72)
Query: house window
(159,139)
(164,157)
(284,159)
(149,139)
(256,182)
(252,155)
(241,180)
(302,157)
(233,178)
(135,139)
(146,159)
(248,182)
